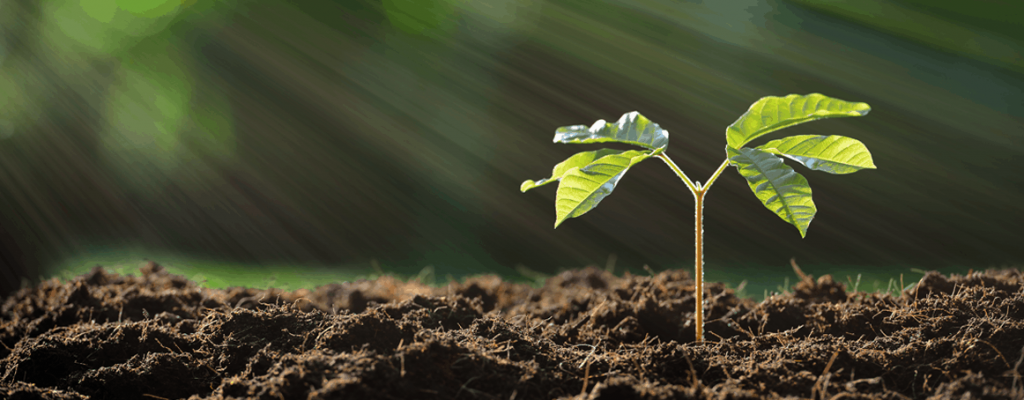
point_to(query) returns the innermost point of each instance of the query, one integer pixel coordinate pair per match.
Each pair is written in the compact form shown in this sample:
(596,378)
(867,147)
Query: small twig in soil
(854,285)
(643,370)
(726,372)
(472,391)
(593,348)
(296,302)
(799,272)
(165,347)
(401,359)
(586,377)
(997,352)
(824,373)
(1016,367)
(693,373)
(245,299)
(590,315)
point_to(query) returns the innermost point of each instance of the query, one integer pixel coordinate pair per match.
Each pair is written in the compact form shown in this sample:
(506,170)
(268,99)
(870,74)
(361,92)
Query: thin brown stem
(698,290)
(698,191)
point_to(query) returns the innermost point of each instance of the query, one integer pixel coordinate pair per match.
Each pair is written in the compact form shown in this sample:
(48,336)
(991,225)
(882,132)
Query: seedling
(588,177)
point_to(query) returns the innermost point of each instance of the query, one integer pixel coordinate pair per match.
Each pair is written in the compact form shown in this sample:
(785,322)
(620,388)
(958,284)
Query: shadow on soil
(585,335)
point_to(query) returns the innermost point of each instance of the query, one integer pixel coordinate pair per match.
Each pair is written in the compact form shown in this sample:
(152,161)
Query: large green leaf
(581,189)
(578,160)
(772,113)
(632,128)
(832,154)
(781,189)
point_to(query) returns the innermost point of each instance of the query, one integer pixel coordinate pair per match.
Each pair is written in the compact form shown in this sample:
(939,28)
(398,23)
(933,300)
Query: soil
(586,334)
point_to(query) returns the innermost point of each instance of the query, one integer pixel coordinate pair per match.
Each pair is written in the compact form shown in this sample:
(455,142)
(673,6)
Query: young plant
(588,177)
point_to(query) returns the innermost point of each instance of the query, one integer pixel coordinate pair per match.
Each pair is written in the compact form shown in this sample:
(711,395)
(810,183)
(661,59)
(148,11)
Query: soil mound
(585,335)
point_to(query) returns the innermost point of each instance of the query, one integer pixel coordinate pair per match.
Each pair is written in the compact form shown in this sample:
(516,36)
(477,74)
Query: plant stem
(698,191)
(698,275)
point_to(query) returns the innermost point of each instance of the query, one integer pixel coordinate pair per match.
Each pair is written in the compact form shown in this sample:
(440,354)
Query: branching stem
(698,191)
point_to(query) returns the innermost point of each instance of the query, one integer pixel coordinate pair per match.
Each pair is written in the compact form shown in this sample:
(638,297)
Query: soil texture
(586,334)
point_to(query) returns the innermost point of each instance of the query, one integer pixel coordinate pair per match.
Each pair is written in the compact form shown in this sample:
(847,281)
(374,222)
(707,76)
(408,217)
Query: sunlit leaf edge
(632,128)
(752,124)
(580,159)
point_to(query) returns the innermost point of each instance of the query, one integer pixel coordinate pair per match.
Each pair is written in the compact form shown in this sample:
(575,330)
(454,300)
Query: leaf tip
(862,109)
(527,185)
(803,228)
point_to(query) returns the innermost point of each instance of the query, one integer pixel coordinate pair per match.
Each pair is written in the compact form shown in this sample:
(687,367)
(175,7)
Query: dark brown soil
(585,334)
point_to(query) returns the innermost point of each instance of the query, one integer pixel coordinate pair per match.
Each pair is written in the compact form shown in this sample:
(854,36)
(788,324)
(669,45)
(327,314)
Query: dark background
(338,132)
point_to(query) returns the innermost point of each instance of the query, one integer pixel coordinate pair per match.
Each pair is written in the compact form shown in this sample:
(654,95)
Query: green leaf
(772,113)
(781,189)
(578,160)
(632,128)
(581,189)
(832,154)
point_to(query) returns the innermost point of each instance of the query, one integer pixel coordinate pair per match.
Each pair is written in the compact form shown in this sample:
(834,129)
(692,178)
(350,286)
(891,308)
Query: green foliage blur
(331,133)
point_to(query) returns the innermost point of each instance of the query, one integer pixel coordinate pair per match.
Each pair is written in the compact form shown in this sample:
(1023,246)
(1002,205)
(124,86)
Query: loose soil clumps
(585,334)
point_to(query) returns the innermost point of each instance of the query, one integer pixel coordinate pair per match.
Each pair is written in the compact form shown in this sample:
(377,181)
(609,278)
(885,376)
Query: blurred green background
(249,139)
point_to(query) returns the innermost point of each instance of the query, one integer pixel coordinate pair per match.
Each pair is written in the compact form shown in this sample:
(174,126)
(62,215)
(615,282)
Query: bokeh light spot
(101,10)
(146,111)
(94,27)
(149,8)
